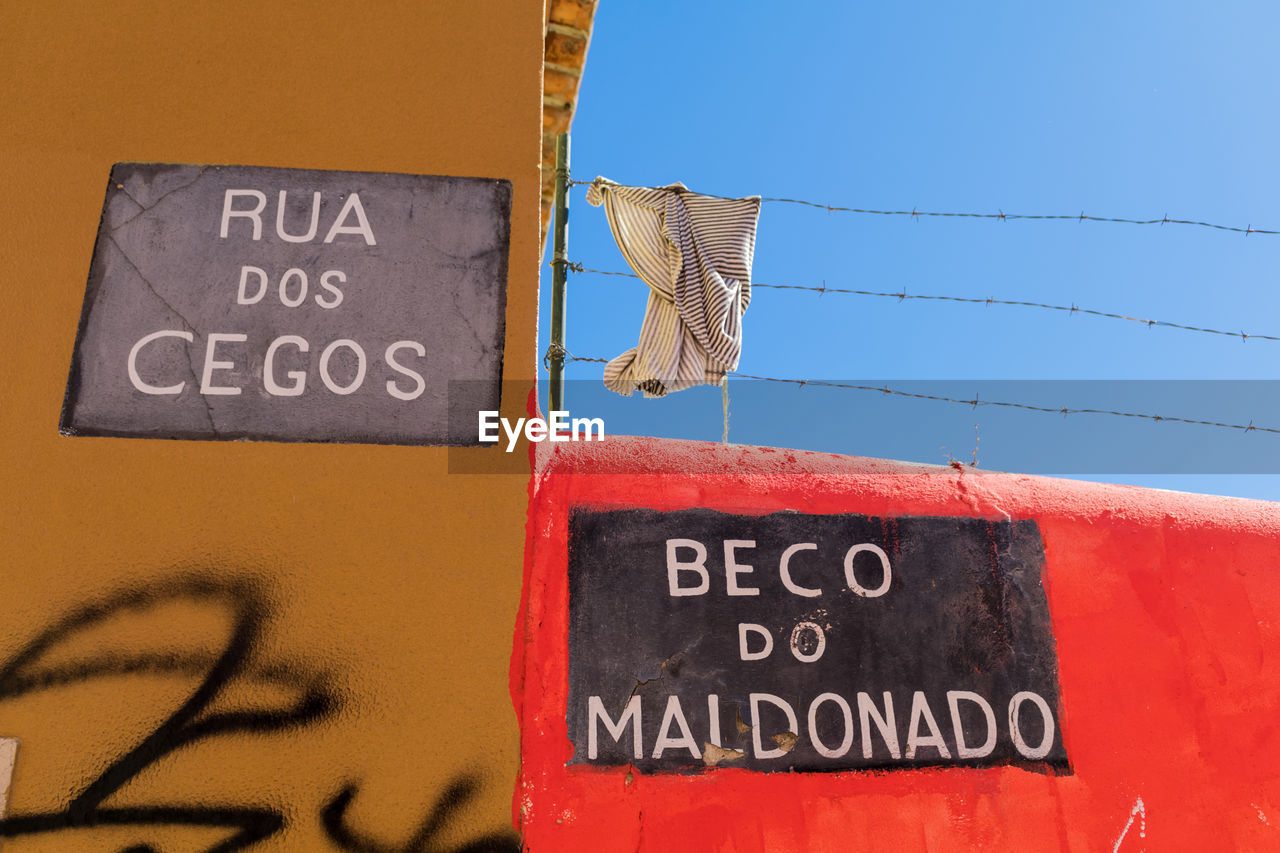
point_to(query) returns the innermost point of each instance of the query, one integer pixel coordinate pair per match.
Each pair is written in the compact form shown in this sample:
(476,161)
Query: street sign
(798,642)
(233,302)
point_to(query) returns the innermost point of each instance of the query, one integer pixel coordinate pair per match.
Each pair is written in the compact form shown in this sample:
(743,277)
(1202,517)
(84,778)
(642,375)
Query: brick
(560,84)
(555,121)
(573,13)
(562,49)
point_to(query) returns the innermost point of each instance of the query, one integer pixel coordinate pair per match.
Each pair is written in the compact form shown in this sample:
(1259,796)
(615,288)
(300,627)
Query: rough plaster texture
(1164,608)
(370,595)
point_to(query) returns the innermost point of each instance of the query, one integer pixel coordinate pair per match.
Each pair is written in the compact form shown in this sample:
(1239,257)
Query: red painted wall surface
(1166,612)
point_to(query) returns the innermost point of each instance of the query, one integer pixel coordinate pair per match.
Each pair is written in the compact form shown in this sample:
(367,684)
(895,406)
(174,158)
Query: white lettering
(299,377)
(853,581)
(557,425)
(799,630)
(556,428)
(228,212)
(489,426)
(210,364)
(750,627)
(513,435)
(352,205)
(327,285)
(963,750)
(315,220)
(586,426)
(756,737)
(284,284)
(419,384)
(847,742)
(133,363)
(785,571)
(1019,743)
(535,429)
(674,567)
(596,713)
(675,713)
(920,711)
(732,569)
(325,377)
(885,724)
(242,295)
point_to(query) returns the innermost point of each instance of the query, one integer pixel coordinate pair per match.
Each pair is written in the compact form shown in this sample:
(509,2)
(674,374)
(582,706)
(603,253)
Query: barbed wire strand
(1001,215)
(976,402)
(903,296)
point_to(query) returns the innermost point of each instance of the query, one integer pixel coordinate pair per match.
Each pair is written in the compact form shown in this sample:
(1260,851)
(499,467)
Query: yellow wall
(388,587)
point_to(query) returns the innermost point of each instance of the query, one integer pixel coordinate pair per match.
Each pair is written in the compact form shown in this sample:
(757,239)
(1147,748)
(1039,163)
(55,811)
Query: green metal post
(560,269)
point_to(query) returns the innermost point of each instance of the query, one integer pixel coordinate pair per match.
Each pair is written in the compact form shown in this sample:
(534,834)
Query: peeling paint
(8,757)
(786,741)
(713,755)
(1138,813)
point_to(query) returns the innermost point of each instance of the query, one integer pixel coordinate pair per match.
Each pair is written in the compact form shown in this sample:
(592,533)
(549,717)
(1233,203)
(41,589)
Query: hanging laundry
(694,251)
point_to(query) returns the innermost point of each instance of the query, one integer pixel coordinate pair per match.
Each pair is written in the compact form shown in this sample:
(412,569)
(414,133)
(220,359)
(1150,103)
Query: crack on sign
(195,379)
(671,665)
(141,208)
(145,208)
(465,317)
(713,755)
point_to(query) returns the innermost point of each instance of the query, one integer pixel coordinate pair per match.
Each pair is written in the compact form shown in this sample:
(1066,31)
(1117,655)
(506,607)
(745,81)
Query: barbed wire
(903,296)
(975,402)
(1000,215)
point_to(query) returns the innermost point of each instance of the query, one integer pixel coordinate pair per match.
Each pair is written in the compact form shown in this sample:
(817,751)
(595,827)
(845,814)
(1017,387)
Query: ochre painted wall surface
(348,608)
(1166,613)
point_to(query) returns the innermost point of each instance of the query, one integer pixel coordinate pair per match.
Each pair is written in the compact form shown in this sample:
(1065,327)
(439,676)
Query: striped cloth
(694,251)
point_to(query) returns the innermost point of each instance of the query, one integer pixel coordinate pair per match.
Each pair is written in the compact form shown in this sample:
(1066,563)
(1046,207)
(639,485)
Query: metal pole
(560,268)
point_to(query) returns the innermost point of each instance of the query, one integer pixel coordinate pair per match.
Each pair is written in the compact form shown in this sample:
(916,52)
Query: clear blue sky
(1132,110)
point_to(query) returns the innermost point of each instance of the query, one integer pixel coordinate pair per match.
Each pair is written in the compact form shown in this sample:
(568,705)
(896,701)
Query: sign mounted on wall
(796,642)
(230,302)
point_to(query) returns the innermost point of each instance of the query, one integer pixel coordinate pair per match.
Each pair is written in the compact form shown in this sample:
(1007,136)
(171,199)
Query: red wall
(1166,612)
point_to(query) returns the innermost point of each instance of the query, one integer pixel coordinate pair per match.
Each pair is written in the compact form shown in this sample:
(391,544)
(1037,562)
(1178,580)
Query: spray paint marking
(1140,813)
(39,666)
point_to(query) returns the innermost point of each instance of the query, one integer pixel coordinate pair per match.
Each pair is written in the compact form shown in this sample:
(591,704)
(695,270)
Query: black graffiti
(456,795)
(313,699)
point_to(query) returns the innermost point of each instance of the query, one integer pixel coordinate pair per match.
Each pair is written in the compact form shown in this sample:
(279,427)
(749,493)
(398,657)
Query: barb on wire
(554,350)
(975,402)
(902,296)
(1001,215)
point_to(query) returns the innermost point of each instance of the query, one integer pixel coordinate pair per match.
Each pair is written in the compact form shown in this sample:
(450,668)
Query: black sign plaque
(230,302)
(798,642)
